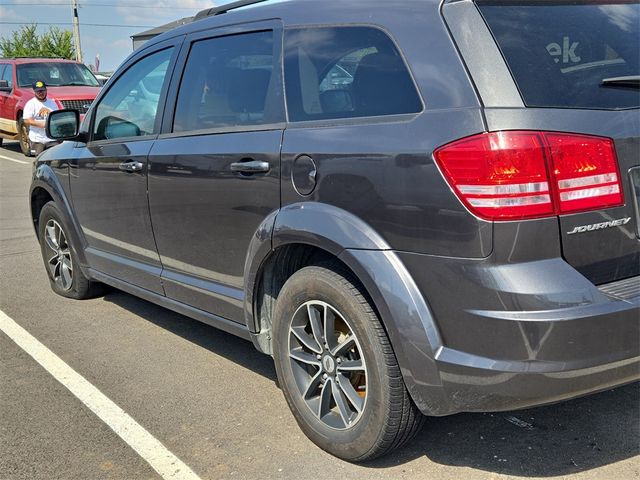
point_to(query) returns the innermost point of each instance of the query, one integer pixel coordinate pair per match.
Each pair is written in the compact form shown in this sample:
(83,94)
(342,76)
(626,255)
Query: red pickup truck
(70,84)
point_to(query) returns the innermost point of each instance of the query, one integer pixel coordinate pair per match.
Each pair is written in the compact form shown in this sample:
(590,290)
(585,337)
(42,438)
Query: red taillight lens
(506,175)
(585,171)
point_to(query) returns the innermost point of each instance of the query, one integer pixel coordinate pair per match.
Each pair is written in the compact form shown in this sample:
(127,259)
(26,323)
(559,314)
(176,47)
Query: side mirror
(113,127)
(4,86)
(63,124)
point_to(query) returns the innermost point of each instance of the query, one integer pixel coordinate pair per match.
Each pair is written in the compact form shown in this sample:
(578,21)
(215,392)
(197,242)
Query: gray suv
(416,208)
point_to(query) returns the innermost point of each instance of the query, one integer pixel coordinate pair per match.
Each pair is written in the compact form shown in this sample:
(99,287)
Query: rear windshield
(560,53)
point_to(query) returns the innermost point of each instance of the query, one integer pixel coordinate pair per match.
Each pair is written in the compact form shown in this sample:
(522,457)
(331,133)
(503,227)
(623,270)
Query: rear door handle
(130,166)
(250,166)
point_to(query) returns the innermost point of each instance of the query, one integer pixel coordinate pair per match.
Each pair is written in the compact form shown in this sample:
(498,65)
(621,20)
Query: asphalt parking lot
(211,402)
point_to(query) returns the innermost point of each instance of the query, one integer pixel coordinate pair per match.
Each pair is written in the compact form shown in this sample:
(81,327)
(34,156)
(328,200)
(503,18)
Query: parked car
(450,226)
(70,84)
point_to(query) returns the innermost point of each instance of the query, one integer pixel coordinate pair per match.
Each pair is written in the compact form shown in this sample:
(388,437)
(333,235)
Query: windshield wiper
(632,81)
(77,84)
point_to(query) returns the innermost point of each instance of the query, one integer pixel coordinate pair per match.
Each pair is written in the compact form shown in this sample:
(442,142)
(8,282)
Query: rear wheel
(23,138)
(60,258)
(337,369)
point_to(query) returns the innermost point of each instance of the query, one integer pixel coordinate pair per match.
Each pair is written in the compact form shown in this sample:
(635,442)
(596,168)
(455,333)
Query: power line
(94,5)
(69,23)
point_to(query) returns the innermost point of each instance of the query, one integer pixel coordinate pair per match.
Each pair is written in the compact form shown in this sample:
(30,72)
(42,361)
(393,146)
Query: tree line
(53,43)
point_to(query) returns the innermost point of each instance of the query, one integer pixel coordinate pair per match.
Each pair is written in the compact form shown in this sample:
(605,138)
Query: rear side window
(560,53)
(345,72)
(225,83)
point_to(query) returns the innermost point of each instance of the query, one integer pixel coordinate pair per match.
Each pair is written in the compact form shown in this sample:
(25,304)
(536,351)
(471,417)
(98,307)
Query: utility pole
(76,30)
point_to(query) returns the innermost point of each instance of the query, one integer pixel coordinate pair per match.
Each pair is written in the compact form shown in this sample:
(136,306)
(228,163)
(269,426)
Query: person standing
(35,115)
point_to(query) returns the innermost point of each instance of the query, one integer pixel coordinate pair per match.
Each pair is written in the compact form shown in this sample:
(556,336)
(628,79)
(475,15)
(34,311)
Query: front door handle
(250,166)
(130,166)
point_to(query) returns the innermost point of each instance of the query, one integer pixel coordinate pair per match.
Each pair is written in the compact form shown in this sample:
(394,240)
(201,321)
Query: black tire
(23,138)
(382,416)
(60,257)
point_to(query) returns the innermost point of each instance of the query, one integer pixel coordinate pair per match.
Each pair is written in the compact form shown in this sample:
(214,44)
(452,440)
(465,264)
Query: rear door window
(345,72)
(226,83)
(560,53)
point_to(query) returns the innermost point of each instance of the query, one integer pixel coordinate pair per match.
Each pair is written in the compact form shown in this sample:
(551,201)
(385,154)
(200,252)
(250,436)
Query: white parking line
(14,160)
(146,445)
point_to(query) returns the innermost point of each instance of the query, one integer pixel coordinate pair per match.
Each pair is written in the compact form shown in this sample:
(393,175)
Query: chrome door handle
(251,166)
(131,166)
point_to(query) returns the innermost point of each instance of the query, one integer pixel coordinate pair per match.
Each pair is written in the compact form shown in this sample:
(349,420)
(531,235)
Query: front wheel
(23,138)
(337,369)
(60,258)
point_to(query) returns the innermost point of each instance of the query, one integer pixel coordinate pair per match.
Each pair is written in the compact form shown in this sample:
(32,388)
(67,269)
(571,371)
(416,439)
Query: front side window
(345,72)
(7,73)
(130,107)
(225,83)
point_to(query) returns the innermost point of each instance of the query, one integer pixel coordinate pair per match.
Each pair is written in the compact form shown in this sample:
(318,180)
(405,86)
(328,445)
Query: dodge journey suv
(415,207)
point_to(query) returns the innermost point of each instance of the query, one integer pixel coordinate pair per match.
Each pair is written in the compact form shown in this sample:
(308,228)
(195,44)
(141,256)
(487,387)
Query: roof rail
(209,12)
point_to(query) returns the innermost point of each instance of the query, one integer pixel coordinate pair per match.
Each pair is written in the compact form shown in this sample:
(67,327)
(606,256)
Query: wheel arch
(311,233)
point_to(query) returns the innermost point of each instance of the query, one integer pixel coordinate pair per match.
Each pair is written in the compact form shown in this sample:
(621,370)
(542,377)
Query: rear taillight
(513,175)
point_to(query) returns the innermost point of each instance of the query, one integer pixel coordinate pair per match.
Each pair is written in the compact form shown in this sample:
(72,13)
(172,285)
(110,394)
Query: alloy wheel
(59,255)
(328,365)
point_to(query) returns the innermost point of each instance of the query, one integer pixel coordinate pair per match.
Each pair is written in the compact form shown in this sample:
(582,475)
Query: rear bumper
(519,335)
(488,388)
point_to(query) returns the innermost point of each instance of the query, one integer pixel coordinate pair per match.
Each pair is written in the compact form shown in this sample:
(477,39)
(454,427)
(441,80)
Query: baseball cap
(39,85)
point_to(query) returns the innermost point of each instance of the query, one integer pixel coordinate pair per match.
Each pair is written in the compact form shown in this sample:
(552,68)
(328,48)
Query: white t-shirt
(32,110)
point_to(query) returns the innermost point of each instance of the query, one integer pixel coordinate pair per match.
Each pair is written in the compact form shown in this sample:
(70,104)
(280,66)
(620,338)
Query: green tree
(26,42)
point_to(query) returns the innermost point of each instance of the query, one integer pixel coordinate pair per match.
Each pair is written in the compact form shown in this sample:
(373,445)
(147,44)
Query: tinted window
(345,72)
(559,54)
(130,106)
(225,83)
(56,74)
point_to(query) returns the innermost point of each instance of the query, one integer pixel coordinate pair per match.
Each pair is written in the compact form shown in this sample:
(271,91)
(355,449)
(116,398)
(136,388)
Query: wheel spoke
(66,274)
(325,398)
(307,340)
(59,236)
(329,327)
(301,356)
(350,366)
(56,269)
(341,404)
(53,261)
(312,385)
(54,265)
(356,400)
(50,237)
(57,275)
(316,324)
(342,347)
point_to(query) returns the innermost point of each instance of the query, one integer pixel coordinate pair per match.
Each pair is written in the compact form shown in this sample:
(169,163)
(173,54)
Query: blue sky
(112,43)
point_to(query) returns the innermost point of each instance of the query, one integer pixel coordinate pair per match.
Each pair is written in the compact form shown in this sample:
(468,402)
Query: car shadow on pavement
(554,440)
(12,145)
(235,349)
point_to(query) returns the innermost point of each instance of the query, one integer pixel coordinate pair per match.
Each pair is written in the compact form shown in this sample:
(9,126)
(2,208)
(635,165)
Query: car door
(7,101)
(214,172)
(109,175)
